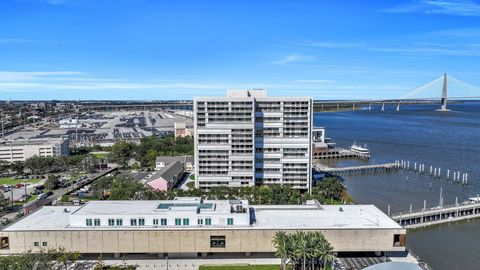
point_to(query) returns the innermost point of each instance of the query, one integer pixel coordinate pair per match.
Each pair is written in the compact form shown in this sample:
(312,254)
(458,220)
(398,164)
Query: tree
(52,182)
(100,264)
(67,257)
(17,167)
(281,242)
(303,248)
(101,186)
(3,201)
(4,166)
(331,188)
(122,152)
(325,251)
(125,188)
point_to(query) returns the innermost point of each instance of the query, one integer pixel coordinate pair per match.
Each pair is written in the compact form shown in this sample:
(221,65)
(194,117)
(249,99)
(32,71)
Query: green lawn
(100,155)
(240,267)
(13,181)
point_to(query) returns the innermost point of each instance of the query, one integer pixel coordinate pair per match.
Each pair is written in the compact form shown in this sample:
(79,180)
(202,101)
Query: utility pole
(3,131)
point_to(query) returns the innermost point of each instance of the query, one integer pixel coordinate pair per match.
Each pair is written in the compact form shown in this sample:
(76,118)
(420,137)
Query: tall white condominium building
(21,150)
(247,138)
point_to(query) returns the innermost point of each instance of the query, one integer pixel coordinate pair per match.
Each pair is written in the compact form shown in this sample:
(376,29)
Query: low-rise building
(167,177)
(193,227)
(181,129)
(21,150)
(186,161)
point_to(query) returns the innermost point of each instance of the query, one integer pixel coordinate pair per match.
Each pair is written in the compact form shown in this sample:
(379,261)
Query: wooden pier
(364,169)
(438,215)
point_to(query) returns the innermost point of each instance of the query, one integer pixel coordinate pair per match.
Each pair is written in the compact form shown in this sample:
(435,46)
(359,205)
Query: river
(446,140)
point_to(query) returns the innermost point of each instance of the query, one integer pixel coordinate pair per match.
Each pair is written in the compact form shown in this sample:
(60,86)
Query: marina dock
(438,215)
(363,169)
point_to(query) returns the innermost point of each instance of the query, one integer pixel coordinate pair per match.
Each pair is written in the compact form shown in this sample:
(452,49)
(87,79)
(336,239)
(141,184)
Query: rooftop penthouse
(186,225)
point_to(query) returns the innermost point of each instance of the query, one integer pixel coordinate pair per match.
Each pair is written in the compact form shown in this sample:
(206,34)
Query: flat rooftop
(35,141)
(328,217)
(116,208)
(310,216)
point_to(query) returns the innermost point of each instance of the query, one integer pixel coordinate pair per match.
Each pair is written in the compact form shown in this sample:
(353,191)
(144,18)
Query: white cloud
(38,81)
(330,45)
(449,7)
(291,58)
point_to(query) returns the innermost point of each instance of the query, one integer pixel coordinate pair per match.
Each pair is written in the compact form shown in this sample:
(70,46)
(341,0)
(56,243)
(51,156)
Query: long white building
(21,150)
(196,227)
(247,138)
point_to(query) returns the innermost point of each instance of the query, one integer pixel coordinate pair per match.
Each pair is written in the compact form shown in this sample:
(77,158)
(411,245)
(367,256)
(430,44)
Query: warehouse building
(21,149)
(196,227)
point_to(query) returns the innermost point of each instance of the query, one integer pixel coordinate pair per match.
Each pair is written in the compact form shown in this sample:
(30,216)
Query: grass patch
(13,181)
(192,176)
(240,267)
(100,155)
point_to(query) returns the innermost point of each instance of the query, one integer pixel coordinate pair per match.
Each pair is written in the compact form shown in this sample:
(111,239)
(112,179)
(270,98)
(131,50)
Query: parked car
(19,185)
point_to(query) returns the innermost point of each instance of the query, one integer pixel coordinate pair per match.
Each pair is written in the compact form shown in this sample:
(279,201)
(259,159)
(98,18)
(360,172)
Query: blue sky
(166,49)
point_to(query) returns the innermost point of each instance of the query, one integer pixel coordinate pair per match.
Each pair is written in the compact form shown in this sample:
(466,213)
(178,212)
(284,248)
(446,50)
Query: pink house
(167,177)
(159,184)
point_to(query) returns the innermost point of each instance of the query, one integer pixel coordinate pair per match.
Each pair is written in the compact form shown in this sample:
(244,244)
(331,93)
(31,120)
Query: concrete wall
(187,241)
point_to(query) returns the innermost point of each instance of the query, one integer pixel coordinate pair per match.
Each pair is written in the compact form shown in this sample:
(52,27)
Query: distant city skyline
(154,50)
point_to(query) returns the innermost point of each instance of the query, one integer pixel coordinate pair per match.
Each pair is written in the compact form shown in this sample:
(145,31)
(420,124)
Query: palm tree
(300,247)
(325,251)
(282,244)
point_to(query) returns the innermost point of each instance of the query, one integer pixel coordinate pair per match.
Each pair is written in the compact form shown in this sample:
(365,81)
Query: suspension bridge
(434,92)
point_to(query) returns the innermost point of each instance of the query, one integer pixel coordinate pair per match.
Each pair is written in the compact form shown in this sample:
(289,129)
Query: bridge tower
(444,95)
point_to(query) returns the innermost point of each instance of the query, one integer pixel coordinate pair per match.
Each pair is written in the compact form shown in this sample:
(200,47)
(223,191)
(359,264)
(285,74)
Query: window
(178,221)
(36,244)
(141,221)
(217,241)
(111,222)
(200,221)
(163,221)
(399,240)
(208,221)
(155,221)
(133,222)
(119,222)
(229,221)
(89,222)
(96,222)
(4,243)
(44,244)
(186,221)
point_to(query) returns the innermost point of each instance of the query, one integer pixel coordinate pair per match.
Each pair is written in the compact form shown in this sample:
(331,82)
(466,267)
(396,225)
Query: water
(447,140)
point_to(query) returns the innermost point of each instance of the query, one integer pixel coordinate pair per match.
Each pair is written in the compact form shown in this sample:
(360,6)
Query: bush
(191,185)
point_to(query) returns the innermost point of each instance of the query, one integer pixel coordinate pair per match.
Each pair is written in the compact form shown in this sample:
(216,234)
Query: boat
(474,199)
(361,151)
